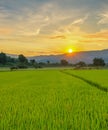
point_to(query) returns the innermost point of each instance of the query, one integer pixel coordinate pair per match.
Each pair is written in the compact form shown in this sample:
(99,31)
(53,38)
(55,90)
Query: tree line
(23,62)
(9,61)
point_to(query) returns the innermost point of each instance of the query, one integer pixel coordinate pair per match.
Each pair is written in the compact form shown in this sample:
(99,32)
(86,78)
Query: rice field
(53,100)
(99,77)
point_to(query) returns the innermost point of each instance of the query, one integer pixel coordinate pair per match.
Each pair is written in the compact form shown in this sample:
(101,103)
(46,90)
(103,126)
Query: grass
(83,78)
(98,76)
(50,100)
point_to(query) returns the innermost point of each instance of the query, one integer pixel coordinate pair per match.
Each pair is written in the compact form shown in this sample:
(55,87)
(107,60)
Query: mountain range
(86,56)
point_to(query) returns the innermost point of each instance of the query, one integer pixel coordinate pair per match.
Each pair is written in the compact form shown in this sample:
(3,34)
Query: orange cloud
(5,31)
(93,40)
(100,35)
(58,37)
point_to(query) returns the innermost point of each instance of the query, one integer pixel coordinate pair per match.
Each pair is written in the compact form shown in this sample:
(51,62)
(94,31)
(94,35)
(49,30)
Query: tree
(32,62)
(64,62)
(11,60)
(22,59)
(3,58)
(98,62)
(81,64)
(48,62)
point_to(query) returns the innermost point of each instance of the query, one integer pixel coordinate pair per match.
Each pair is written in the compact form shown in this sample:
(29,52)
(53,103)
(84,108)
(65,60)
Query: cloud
(95,38)
(44,19)
(51,24)
(72,29)
(31,22)
(4,13)
(103,18)
(91,41)
(99,35)
(38,31)
(80,20)
(58,37)
(6,31)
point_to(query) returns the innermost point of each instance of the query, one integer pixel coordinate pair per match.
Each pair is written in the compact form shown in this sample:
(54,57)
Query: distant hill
(12,55)
(86,56)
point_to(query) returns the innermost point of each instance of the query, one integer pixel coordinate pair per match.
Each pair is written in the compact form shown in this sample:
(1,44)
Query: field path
(87,81)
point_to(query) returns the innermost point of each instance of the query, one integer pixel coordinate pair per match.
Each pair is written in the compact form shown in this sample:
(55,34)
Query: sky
(44,27)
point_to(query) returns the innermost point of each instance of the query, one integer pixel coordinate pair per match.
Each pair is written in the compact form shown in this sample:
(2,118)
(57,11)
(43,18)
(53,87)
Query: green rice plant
(99,77)
(50,100)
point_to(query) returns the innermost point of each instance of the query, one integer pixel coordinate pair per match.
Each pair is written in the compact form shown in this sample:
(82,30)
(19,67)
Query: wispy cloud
(103,18)
(58,37)
(41,20)
(99,39)
(32,22)
(45,25)
(99,35)
(80,20)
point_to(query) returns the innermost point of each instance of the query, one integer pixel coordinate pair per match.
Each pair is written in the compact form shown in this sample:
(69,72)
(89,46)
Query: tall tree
(98,62)
(3,58)
(32,62)
(48,62)
(64,62)
(22,59)
(81,64)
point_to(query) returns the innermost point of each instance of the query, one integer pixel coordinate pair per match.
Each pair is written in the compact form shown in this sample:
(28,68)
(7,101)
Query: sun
(70,50)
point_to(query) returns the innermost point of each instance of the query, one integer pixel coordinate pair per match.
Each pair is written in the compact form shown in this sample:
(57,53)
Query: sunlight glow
(70,50)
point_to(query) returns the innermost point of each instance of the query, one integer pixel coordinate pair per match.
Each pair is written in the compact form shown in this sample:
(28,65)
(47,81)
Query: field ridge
(94,84)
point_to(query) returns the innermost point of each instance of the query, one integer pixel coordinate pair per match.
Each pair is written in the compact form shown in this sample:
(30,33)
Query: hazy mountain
(86,56)
(12,55)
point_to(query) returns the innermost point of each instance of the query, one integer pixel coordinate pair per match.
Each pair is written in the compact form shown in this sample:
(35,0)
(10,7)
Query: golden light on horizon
(70,50)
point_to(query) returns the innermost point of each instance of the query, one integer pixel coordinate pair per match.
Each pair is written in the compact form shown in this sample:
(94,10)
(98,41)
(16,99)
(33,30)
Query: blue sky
(35,27)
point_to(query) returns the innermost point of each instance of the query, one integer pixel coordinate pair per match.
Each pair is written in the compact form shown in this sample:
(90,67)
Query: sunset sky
(43,27)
